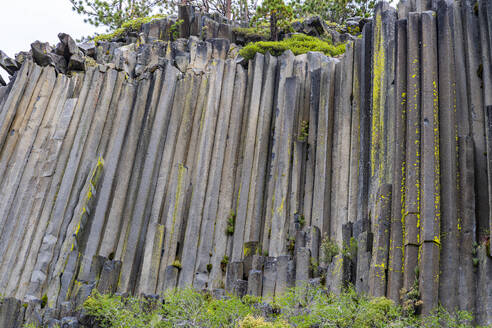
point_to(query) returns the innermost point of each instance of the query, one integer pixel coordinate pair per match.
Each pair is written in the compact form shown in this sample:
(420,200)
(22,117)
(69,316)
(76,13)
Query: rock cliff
(141,164)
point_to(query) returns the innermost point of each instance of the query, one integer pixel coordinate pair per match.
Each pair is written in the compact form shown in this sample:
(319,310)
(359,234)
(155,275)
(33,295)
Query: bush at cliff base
(305,306)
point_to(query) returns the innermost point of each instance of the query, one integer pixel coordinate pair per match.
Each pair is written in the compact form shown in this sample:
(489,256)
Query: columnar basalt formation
(171,164)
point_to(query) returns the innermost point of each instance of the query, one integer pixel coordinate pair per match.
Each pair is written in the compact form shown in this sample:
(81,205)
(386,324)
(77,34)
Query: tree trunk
(228,9)
(273,27)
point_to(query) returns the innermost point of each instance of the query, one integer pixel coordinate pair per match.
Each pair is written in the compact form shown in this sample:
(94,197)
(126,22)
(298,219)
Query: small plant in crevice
(174,30)
(475,259)
(44,301)
(209,267)
(350,251)
(247,251)
(223,263)
(313,265)
(410,299)
(300,220)
(231,222)
(304,132)
(291,244)
(177,264)
(329,249)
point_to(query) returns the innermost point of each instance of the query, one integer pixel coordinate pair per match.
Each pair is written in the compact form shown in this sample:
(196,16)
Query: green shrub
(231,222)
(329,249)
(259,322)
(44,301)
(298,44)
(304,307)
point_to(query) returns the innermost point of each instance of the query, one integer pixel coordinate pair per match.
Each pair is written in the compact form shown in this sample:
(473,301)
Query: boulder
(315,26)
(22,56)
(88,48)
(8,64)
(67,46)
(43,56)
(76,62)
(69,322)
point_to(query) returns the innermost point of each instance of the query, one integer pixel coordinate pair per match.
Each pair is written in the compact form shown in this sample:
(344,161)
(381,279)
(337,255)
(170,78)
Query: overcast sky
(25,21)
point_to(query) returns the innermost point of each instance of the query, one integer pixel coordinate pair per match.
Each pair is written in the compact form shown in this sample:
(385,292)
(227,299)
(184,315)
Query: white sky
(25,21)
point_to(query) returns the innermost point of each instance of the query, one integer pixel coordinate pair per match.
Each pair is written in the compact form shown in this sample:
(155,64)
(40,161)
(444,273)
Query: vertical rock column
(467,279)
(485,72)
(130,257)
(396,248)
(382,116)
(256,68)
(412,170)
(200,175)
(255,213)
(314,63)
(7,113)
(122,195)
(17,215)
(365,94)
(220,251)
(40,213)
(355,153)
(342,140)
(476,111)
(379,263)
(43,177)
(285,69)
(449,156)
(430,206)
(164,183)
(209,221)
(322,176)
(278,238)
(20,144)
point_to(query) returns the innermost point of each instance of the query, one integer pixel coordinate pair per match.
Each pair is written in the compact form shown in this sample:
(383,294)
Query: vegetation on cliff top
(298,44)
(305,306)
(133,24)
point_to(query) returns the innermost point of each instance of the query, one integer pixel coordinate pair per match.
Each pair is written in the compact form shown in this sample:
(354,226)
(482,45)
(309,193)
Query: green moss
(177,264)
(298,44)
(44,301)
(209,267)
(90,62)
(252,32)
(131,25)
